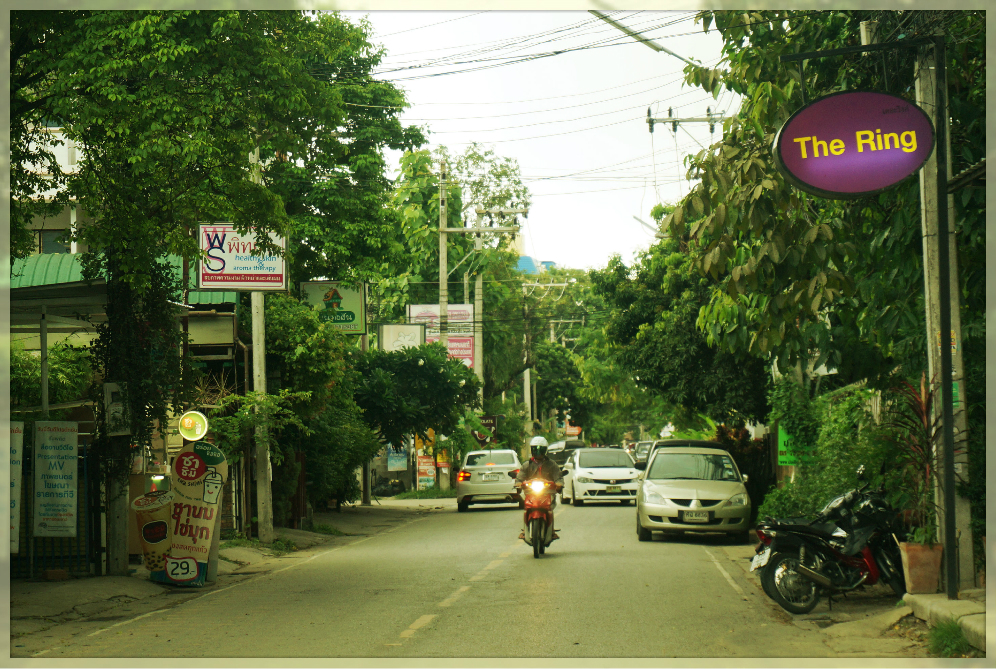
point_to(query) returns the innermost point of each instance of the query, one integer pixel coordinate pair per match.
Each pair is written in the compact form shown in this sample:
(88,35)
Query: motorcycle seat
(824,530)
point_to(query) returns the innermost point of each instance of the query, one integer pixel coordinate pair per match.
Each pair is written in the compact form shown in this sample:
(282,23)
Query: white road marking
(47,650)
(125,622)
(727,576)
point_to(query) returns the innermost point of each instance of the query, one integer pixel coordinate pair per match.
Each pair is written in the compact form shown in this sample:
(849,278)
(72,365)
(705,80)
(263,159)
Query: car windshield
(604,459)
(694,466)
(489,459)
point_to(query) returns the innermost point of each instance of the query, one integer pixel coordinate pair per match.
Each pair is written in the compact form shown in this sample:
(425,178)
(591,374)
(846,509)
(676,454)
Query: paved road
(453,584)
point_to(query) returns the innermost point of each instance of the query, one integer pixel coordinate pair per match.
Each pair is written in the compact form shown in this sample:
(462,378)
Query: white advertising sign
(231,265)
(395,337)
(55,478)
(460,327)
(16,459)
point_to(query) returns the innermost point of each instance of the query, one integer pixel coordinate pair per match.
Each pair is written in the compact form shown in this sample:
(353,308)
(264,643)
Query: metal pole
(945,324)
(43,345)
(444,274)
(365,469)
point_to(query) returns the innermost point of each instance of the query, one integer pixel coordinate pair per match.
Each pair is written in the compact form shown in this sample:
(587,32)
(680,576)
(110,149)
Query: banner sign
(460,328)
(55,478)
(191,513)
(230,263)
(395,337)
(16,460)
(427,471)
(397,458)
(790,455)
(853,144)
(490,423)
(338,303)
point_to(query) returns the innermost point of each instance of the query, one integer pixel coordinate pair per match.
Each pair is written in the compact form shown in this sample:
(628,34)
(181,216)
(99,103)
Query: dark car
(561,456)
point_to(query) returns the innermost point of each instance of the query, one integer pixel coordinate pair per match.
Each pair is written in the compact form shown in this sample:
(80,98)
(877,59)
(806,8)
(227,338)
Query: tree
(413,390)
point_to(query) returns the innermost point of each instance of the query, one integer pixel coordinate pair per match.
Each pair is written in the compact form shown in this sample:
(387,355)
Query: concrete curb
(971,615)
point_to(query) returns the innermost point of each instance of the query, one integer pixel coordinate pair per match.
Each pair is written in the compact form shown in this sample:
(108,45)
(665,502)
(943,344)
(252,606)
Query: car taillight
(515,472)
(463,476)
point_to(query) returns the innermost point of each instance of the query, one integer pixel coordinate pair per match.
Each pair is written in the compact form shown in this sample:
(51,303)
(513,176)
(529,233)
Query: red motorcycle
(538,516)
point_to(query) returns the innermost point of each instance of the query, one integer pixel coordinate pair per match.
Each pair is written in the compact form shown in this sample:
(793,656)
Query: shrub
(946,639)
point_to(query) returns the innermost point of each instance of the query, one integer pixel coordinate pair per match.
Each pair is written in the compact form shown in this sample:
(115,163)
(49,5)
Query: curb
(971,616)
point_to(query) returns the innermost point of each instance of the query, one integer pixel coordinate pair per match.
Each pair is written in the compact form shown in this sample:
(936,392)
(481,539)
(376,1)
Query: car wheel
(462,506)
(643,534)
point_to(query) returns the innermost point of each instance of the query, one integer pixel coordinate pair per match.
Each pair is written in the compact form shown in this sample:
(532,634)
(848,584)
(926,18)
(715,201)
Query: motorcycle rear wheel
(536,534)
(891,565)
(793,592)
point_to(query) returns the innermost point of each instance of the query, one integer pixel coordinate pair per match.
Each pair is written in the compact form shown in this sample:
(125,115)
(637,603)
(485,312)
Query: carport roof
(52,269)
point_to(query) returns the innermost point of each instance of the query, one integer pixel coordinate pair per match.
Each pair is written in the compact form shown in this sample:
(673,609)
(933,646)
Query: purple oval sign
(853,144)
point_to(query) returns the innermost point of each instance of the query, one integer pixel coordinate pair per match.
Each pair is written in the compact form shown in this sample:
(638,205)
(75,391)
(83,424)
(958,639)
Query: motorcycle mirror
(512,474)
(640,465)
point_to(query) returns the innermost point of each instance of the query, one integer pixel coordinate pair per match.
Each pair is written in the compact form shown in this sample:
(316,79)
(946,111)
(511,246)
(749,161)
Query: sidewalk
(970,611)
(38,605)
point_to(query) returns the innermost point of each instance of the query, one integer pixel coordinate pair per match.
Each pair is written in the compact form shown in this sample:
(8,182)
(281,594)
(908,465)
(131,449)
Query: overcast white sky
(575,121)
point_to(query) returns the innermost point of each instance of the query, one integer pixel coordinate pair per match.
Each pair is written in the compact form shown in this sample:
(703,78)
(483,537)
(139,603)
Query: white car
(484,478)
(599,475)
(688,489)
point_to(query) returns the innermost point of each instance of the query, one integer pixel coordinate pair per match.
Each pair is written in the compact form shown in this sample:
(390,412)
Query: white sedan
(598,475)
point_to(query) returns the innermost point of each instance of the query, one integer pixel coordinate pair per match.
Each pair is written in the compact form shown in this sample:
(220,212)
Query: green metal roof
(49,269)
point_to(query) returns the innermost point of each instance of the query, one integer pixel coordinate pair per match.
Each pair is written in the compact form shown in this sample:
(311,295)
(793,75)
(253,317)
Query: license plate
(761,559)
(696,516)
(491,477)
(614,488)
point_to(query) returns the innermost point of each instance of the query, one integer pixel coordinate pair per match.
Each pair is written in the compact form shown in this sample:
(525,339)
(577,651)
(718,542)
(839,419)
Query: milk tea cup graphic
(152,510)
(213,482)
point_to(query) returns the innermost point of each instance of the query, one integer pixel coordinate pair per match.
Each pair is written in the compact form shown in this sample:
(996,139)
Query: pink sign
(853,144)
(460,328)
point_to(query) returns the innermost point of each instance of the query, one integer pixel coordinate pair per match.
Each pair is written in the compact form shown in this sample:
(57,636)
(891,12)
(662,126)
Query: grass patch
(947,639)
(328,529)
(428,493)
(278,547)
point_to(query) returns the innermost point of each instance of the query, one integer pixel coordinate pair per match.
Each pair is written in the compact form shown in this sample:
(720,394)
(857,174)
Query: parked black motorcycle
(851,543)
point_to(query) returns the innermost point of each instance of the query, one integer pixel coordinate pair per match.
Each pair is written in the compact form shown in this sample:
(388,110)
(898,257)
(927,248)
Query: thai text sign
(55,479)
(397,458)
(16,460)
(231,264)
(192,514)
(460,328)
(791,454)
(853,144)
(340,304)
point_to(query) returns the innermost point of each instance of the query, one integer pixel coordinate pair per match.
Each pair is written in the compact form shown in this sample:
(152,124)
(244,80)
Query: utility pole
(264,498)
(941,302)
(527,384)
(710,118)
(444,273)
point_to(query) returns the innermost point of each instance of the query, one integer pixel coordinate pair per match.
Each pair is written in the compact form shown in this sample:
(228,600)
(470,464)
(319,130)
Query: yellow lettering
(837,147)
(817,145)
(879,140)
(865,137)
(886,141)
(909,140)
(802,141)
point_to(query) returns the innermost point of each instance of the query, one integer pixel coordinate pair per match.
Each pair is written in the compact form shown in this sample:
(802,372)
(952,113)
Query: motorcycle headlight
(537,486)
(652,497)
(583,479)
(740,499)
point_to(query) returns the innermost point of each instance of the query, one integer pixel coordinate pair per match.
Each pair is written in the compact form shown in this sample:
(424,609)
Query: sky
(576,121)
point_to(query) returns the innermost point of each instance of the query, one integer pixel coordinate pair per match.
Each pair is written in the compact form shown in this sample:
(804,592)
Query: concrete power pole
(444,271)
(930,90)
(264,497)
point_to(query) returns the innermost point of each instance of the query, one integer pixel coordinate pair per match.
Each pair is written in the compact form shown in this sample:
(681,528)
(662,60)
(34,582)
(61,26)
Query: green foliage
(794,411)
(946,639)
(70,374)
(751,456)
(322,528)
(428,493)
(975,488)
(238,416)
(413,390)
(510,432)
(845,437)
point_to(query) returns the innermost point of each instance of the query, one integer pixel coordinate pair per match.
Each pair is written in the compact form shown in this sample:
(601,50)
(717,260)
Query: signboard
(490,423)
(16,460)
(193,425)
(460,328)
(790,455)
(338,303)
(427,471)
(853,144)
(192,515)
(571,430)
(230,263)
(55,479)
(395,337)
(397,458)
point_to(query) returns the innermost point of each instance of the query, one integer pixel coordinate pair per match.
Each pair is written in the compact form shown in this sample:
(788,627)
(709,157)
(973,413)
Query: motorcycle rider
(542,467)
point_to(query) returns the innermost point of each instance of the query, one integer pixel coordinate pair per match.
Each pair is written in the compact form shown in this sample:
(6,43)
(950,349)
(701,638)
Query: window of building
(53,241)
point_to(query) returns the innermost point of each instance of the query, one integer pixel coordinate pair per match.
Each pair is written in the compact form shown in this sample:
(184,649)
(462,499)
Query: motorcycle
(853,542)
(539,517)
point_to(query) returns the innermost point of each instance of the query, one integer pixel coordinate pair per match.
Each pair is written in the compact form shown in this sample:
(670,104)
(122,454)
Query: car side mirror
(642,465)
(564,472)
(744,478)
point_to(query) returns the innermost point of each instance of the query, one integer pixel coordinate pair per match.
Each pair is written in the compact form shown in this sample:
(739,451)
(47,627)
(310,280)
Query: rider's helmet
(538,447)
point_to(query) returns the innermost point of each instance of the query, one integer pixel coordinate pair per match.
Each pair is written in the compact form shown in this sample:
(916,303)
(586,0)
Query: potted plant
(915,432)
